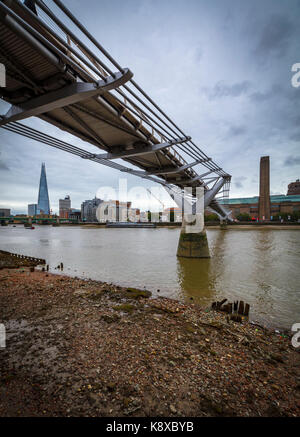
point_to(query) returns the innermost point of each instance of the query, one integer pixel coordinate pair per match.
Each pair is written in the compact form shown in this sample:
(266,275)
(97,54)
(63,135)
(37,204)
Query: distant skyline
(221,69)
(136,203)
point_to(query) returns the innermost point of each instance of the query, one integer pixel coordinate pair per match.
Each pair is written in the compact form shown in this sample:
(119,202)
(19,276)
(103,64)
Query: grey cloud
(235,131)
(273,92)
(3,166)
(275,36)
(295,120)
(221,89)
(276,113)
(277,91)
(292,161)
(198,54)
(295,136)
(238,182)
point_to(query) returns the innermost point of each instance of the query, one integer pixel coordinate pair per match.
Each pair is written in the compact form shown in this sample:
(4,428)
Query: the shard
(43,201)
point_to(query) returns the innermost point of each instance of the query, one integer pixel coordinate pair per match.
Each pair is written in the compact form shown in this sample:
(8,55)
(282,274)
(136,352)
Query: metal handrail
(86,63)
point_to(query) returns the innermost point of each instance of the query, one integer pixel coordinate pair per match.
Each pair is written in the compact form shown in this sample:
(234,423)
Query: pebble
(173,409)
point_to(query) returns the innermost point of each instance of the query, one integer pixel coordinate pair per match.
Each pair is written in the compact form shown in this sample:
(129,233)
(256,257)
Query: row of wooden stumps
(59,267)
(25,257)
(236,310)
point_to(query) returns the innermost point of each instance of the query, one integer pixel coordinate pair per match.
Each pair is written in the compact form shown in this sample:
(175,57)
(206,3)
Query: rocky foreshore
(84,348)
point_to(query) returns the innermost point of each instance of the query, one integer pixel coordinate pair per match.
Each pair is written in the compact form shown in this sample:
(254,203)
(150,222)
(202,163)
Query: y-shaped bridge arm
(209,199)
(221,212)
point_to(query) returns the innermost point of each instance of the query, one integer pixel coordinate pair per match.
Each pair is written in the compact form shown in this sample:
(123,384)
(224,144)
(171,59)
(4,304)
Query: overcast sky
(221,69)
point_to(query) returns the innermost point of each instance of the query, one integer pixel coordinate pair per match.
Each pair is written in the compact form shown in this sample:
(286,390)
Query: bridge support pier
(223,226)
(193,239)
(192,244)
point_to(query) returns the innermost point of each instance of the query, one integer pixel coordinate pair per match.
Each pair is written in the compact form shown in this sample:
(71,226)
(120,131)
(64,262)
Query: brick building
(64,207)
(265,207)
(294,188)
(279,204)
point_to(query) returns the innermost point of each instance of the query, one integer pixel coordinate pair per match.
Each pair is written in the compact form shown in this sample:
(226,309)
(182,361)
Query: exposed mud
(85,348)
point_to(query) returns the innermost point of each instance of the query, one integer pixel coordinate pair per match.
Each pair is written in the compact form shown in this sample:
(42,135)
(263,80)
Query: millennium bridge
(53,74)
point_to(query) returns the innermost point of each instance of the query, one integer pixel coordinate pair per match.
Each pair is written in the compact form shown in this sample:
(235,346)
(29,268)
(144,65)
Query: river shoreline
(87,348)
(208,225)
(246,265)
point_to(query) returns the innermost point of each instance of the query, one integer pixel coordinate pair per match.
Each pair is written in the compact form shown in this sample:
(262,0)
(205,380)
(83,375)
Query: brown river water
(259,266)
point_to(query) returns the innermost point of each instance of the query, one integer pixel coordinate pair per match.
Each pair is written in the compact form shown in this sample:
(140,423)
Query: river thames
(259,266)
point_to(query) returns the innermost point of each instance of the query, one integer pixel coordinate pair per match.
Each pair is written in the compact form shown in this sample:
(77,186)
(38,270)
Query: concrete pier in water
(193,239)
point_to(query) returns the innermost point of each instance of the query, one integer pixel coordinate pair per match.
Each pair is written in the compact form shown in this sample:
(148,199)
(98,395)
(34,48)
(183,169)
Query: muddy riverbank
(84,348)
(261,268)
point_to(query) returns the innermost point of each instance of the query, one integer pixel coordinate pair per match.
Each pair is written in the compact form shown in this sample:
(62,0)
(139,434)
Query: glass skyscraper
(32,210)
(43,206)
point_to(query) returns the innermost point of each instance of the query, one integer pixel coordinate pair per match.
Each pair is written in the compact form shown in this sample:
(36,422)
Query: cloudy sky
(221,69)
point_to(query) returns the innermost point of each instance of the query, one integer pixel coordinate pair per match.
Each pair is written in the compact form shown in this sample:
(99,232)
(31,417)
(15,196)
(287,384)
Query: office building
(4,212)
(88,210)
(64,207)
(32,210)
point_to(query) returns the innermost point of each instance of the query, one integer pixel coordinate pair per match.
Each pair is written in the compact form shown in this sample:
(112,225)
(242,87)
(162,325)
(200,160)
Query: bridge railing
(53,25)
(97,63)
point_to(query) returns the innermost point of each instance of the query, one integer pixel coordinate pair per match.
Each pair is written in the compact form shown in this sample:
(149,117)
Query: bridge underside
(53,75)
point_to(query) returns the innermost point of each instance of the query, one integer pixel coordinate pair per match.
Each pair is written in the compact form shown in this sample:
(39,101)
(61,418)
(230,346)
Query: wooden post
(241,308)
(247,308)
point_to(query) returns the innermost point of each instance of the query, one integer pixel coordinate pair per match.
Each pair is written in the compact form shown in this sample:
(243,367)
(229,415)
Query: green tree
(211,218)
(294,216)
(244,217)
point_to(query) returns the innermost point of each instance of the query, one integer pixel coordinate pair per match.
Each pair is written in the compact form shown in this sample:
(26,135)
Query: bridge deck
(51,74)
